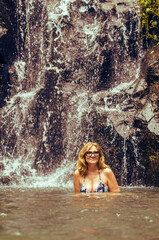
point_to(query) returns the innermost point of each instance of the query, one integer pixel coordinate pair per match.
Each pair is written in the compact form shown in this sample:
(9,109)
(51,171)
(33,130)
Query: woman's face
(92,155)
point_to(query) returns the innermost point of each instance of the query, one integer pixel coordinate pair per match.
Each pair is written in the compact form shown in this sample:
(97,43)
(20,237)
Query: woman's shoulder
(77,176)
(76,173)
(107,171)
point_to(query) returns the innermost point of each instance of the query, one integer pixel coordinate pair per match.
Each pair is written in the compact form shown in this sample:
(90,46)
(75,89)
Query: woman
(92,175)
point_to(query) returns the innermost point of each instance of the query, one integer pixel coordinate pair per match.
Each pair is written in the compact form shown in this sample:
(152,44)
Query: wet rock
(138,100)
(149,70)
(5,180)
(149,63)
(132,111)
(1,166)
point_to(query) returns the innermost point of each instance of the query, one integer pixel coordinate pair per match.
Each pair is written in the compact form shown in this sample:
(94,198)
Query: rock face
(135,101)
(5,180)
(132,110)
(77,78)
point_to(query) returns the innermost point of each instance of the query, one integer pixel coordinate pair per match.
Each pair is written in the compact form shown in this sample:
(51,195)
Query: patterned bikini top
(101,187)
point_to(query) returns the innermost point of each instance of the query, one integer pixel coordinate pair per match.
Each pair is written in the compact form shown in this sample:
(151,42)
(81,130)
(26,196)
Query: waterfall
(73,77)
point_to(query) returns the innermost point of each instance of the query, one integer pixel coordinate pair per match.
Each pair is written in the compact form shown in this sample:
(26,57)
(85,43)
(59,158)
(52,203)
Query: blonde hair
(82,165)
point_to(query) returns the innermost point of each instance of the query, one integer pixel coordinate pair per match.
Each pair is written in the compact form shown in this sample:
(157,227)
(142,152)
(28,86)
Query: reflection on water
(47,213)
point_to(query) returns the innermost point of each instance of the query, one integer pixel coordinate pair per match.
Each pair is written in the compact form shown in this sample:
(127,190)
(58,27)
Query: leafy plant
(150,20)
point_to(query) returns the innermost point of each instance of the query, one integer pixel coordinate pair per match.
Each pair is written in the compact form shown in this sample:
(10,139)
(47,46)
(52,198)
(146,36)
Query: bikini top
(101,187)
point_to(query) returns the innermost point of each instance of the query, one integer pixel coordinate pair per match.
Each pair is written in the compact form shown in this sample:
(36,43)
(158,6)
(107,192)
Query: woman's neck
(92,168)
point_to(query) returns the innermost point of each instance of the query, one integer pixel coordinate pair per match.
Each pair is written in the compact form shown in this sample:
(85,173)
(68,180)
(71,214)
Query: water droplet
(16,233)
(84,210)
(3,214)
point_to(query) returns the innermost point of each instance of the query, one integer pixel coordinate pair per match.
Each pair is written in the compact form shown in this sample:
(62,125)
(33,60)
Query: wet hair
(82,164)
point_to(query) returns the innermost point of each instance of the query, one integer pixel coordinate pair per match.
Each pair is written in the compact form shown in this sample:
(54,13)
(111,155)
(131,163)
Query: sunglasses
(89,154)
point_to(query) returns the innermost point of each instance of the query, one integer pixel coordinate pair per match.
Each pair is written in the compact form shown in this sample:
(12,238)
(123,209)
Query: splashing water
(68,51)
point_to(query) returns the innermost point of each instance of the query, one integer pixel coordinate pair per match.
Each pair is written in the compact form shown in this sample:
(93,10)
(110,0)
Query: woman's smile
(93,158)
(92,155)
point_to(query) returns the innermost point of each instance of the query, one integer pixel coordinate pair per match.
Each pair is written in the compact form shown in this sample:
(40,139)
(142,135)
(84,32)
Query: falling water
(69,53)
(125,172)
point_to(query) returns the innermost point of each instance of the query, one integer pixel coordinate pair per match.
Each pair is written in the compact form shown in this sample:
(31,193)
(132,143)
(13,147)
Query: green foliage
(150,19)
(154,158)
(154,167)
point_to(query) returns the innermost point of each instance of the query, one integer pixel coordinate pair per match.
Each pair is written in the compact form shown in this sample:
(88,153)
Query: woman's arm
(112,182)
(76,181)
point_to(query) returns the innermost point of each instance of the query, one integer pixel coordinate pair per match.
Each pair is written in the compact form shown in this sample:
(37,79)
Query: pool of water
(50,213)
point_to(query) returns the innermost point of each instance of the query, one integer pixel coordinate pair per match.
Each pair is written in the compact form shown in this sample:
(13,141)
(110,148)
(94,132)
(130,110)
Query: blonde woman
(92,174)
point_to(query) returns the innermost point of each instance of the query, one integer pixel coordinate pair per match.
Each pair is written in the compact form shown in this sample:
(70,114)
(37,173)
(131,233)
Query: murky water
(47,213)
